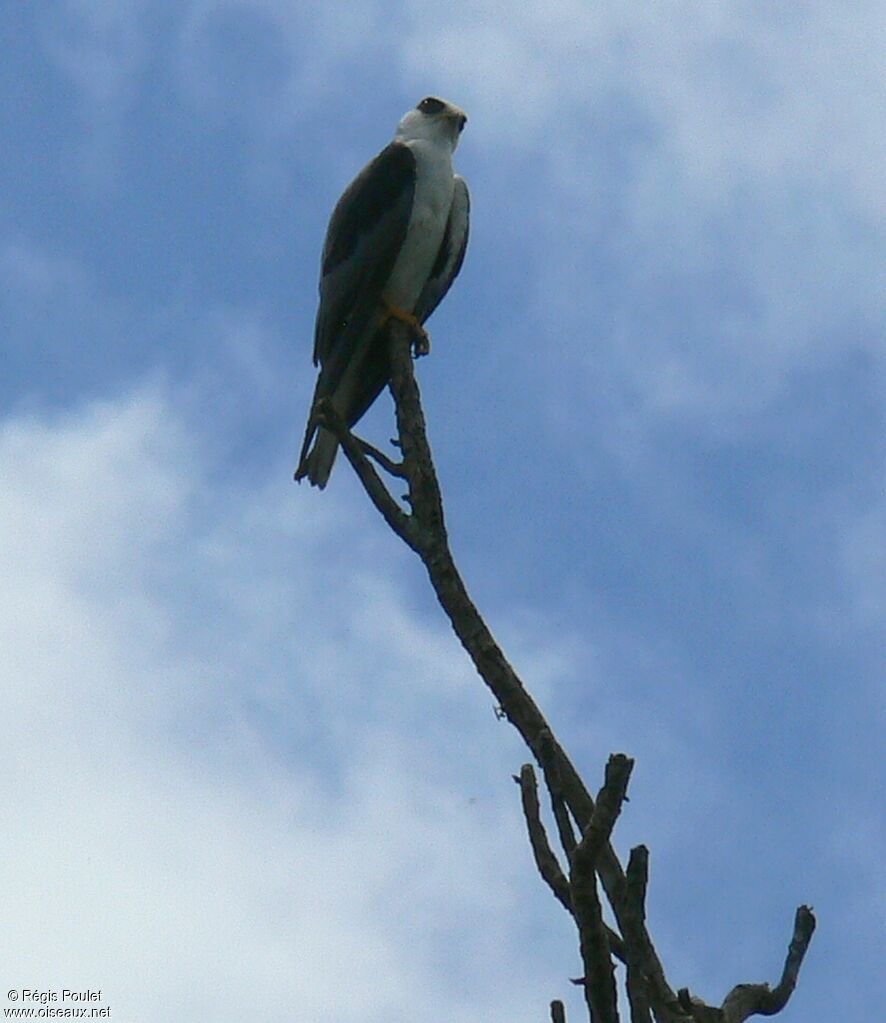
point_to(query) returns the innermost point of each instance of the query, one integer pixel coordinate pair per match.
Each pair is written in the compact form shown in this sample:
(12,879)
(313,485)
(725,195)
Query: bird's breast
(431,202)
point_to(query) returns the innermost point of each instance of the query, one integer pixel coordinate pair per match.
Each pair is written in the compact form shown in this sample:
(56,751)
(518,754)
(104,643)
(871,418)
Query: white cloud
(722,165)
(217,810)
(244,774)
(733,90)
(732,93)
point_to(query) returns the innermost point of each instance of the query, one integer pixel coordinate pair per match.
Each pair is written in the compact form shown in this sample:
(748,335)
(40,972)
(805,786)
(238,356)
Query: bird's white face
(435,120)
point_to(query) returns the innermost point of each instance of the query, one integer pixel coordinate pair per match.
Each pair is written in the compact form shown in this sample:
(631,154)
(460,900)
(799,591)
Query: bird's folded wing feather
(451,254)
(365,235)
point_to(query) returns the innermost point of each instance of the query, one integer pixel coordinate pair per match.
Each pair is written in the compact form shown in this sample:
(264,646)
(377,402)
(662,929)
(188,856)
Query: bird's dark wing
(451,254)
(375,370)
(365,234)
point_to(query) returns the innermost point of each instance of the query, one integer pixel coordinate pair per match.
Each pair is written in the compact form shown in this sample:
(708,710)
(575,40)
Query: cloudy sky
(246,770)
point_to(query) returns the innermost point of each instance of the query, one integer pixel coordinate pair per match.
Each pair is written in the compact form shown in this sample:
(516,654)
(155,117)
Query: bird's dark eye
(431,105)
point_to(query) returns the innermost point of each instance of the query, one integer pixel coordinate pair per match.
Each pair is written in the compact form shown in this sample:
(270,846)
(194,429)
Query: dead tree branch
(547,863)
(545,858)
(637,876)
(422,527)
(746,1000)
(599,975)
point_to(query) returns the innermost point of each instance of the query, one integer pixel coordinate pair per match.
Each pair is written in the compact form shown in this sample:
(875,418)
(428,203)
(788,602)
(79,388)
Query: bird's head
(434,119)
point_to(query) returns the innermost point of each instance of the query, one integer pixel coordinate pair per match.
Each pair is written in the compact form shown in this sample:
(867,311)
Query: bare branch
(607,809)
(696,1009)
(599,972)
(545,860)
(757,999)
(388,464)
(746,1000)
(424,530)
(489,659)
(392,513)
(424,490)
(549,765)
(636,877)
(558,1013)
(804,928)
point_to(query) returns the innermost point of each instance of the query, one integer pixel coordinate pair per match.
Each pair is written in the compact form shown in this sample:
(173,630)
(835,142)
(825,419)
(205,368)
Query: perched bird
(395,243)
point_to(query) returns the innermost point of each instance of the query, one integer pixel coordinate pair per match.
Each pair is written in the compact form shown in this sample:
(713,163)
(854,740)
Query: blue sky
(246,769)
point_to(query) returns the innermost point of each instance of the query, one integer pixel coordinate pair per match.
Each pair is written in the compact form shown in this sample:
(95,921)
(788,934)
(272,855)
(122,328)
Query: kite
(395,243)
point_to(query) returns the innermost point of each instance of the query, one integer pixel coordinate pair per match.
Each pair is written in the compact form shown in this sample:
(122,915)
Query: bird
(395,243)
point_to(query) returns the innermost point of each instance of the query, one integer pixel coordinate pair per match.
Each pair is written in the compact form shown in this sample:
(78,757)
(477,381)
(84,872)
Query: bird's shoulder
(376,190)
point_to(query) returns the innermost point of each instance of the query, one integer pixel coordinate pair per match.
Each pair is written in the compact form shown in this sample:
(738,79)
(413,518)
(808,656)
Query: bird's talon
(421,342)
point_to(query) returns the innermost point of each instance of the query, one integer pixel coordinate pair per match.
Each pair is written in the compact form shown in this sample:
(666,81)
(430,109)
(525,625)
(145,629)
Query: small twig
(558,1013)
(388,464)
(392,513)
(548,866)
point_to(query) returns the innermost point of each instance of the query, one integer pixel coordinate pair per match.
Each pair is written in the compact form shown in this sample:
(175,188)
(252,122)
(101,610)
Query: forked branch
(583,823)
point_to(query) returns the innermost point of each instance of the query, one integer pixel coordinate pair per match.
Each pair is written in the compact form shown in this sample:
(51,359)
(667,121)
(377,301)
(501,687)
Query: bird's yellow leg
(421,341)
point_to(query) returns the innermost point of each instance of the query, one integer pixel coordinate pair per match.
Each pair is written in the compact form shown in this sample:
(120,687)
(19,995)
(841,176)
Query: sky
(246,769)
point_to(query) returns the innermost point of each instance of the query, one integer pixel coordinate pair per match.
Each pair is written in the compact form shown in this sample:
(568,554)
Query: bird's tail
(316,464)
